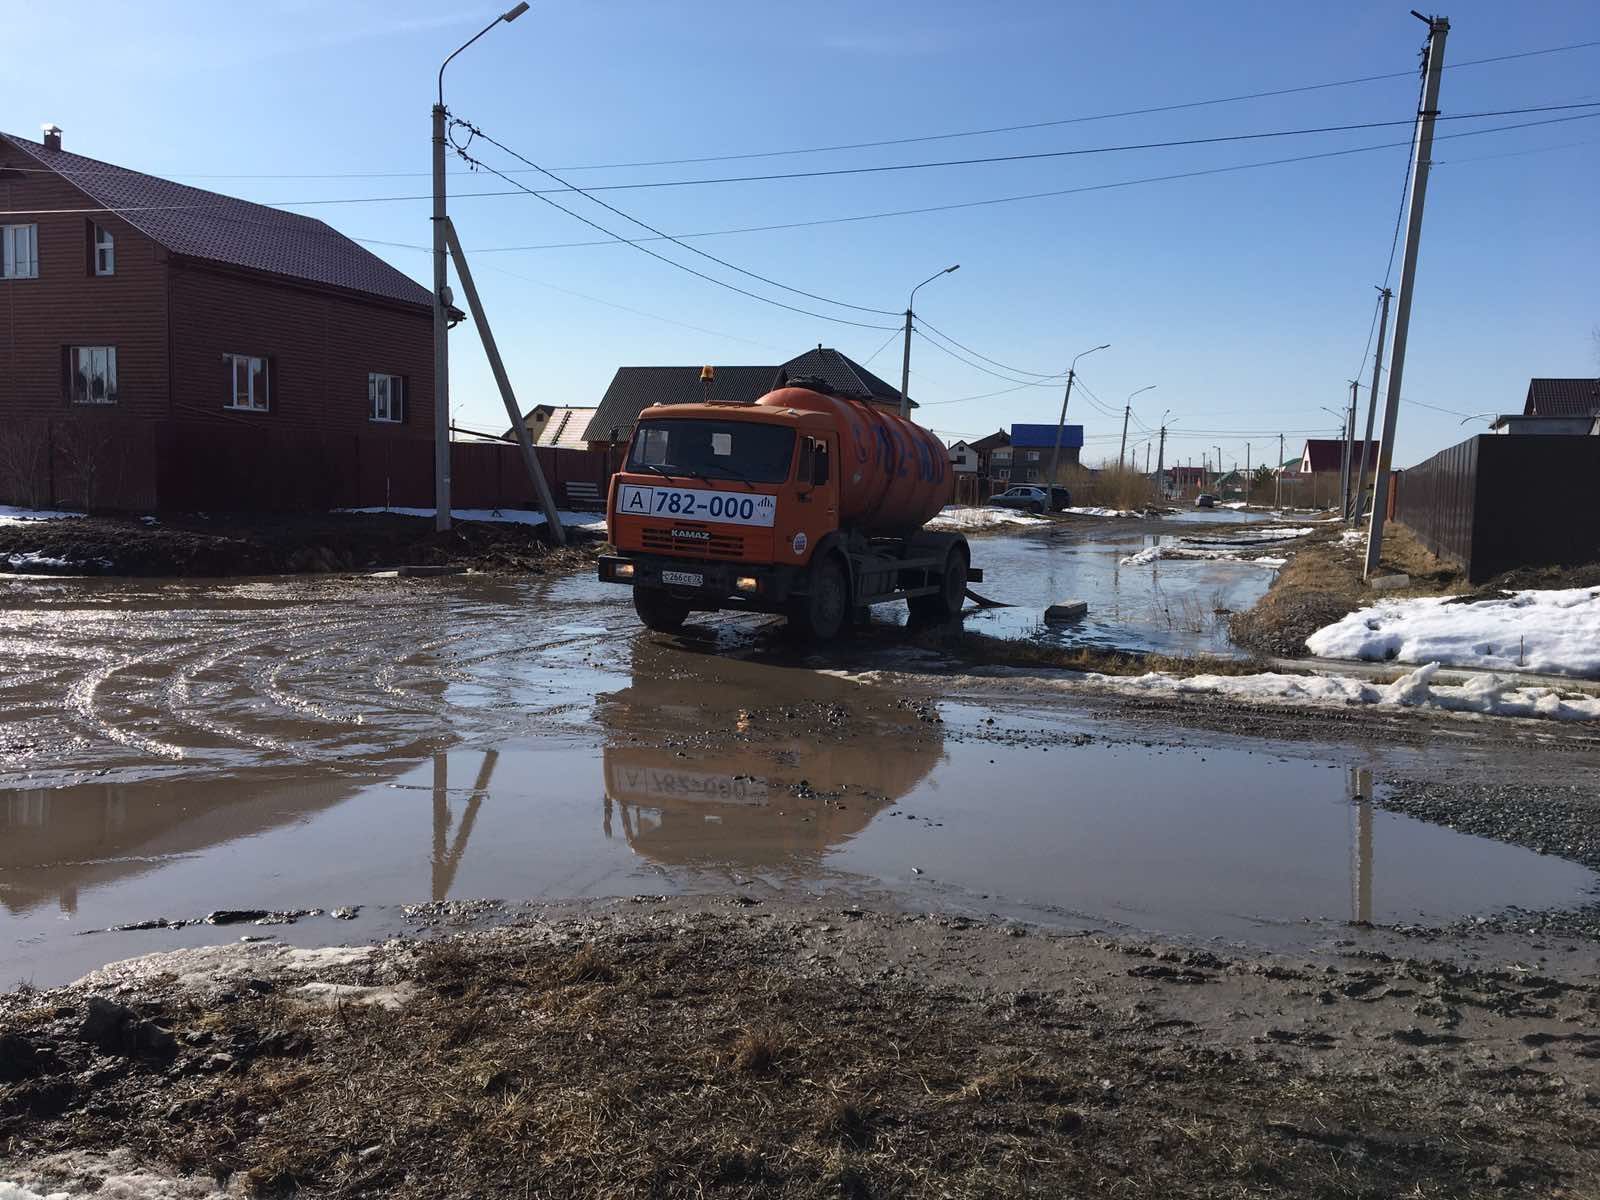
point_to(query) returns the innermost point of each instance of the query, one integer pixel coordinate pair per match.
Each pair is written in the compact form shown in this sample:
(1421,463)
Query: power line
(519,189)
(867,362)
(1014,370)
(1132,112)
(475,132)
(671,262)
(1072,191)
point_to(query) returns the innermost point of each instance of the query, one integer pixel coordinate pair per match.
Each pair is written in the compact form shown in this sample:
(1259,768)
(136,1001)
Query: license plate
(697,504)
(683,578)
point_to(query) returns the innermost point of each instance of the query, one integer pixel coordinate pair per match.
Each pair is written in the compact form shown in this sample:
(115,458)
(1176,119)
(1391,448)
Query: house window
(105,251)
(1033,456)
(19,251)
(386,398)
(247,379)
(92,374)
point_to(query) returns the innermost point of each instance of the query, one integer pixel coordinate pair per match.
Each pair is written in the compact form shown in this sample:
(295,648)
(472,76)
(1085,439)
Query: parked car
(1032,498)
(1205,500)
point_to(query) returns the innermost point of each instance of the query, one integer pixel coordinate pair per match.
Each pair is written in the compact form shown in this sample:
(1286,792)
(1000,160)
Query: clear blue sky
(1245,296)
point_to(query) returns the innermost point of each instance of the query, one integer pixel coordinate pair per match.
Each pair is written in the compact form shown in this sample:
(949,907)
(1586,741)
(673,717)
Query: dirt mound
(220,545)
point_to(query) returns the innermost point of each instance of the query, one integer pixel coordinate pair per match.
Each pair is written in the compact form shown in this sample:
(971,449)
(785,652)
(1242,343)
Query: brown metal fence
(141,466)
(1496,502)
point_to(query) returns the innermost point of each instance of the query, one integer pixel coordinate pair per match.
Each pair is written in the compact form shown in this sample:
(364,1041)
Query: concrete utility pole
(1147,458)
(530,459)
(1055,455)
(441,295)
(905,362)
(1438,30)
(1218,449)
(1372,403)
(1247,479)
(1127,410)
(1277,475)
(1349,422)
(1161,459)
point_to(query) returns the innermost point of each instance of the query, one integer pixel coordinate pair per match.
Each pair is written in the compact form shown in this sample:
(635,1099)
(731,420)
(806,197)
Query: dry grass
(981,649)
(715,1063)
(1112,487)
(1322,583)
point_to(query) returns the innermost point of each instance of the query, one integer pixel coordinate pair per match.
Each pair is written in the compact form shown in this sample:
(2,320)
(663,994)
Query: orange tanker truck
(806,503)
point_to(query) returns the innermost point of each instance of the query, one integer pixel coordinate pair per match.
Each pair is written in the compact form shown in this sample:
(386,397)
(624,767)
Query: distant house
(167,347)
(963,458)
(1555,406)
(986,447)
(634,389)
(1179,480)
(1033,448)
(1324,455)
(561,427)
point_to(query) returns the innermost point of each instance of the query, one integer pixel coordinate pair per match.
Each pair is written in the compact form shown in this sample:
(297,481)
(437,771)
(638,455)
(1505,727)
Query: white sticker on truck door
(696,504)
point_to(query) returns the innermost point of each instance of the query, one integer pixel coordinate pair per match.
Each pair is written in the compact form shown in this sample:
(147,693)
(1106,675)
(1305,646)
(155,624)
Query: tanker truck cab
(748,507)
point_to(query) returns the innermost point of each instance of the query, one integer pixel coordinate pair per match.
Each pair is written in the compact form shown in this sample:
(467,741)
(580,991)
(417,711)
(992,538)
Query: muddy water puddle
(173,750)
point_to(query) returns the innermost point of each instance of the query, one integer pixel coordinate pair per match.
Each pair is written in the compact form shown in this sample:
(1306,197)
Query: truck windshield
(714,450)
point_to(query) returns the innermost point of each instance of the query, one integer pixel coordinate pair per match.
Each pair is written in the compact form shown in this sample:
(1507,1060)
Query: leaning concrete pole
(530,460)
(1372,403)
(1438,30)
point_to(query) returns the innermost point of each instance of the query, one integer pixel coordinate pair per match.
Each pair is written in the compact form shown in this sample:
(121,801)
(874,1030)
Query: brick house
(1033,449)
(167,347)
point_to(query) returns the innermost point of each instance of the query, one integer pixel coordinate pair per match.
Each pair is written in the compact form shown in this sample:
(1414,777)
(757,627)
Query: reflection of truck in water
(805,503)
(729,809)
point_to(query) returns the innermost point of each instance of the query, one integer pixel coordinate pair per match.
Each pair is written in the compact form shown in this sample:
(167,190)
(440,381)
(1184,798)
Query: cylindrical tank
(893,475)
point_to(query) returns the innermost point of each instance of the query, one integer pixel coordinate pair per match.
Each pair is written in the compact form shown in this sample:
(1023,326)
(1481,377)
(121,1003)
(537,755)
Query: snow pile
(1554,632)
(33,559)
(956,517)
(1488,694)
(11,515)
(589,522)
(1152,554)
(114,1176)
(1106,512)
(1351,536)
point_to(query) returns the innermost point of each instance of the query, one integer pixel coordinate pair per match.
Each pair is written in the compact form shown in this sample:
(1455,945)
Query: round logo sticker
(799,543)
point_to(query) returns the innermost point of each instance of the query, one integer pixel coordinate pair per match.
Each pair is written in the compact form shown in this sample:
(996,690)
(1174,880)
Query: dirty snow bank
(11,515)
(1152,554)
(1554,632)
(79,1175)
(1107,512)
(590,522)
(1488,694)
(957,517)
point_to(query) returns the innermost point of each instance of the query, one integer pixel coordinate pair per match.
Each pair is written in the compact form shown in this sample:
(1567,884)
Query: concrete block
(1071,610)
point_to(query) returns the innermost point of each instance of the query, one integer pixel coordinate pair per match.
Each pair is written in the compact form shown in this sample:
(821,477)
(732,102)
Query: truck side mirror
(819,464)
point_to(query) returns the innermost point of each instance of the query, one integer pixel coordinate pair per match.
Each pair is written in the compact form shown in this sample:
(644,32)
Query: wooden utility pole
(1438,31)
(1344,459)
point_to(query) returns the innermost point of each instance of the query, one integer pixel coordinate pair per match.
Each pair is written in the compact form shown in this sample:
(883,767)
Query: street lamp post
(441,293)
(1127,410)
(905,362)
(1055,455)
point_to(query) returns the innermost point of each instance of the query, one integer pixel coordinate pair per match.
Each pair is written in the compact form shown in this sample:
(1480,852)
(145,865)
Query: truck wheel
(945,604)
(658,610)
(821,613)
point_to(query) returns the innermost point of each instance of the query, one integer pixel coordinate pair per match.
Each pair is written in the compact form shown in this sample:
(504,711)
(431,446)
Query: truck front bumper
(722,585)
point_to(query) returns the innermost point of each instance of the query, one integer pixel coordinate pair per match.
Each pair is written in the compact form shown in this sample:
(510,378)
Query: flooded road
(174,749)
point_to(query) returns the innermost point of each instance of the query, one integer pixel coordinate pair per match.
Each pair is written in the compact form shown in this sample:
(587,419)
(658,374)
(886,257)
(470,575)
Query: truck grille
(719,545)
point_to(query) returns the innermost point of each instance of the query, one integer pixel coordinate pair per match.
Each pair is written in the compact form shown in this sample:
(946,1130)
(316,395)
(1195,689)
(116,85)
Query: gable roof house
(634,389)
(1560,406)
(1322,455)
(166,346)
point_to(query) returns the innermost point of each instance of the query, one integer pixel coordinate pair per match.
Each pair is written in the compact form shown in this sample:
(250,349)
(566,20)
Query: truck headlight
(622,570)
(747,583)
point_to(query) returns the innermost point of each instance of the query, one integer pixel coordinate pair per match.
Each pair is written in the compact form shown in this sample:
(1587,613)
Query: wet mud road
(169,750)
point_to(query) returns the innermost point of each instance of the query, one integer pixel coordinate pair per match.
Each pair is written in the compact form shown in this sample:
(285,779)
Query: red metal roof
(1327,454)
(222,229)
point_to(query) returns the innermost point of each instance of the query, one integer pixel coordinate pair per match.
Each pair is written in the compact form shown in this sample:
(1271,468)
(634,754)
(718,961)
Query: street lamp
(441,294)
(1127,410)
(905,363)
(1055,455)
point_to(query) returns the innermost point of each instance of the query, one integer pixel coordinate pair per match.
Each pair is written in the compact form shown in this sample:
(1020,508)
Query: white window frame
(386,398)
(105,251)
(257,366)
(19,252)
(102,357)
